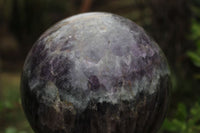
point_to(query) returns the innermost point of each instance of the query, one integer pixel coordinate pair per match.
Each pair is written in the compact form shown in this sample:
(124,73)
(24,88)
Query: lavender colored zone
(88,59)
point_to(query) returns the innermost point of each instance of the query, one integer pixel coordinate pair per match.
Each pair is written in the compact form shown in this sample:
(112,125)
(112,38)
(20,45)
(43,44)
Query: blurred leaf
(195,117)
(194,57)
(175,126)
(195,36)
(8,104)
(11,130)
(198,47)
(184,122)
(195,29)
(181,113)
(22,132)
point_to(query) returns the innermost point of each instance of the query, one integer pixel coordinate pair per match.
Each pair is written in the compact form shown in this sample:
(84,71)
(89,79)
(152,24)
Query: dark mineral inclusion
(95,73)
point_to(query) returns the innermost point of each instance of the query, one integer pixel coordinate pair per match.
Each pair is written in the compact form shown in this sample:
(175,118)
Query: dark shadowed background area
(174,25)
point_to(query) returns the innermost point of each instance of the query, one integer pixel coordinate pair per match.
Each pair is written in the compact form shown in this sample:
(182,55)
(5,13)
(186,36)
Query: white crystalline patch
(103,56)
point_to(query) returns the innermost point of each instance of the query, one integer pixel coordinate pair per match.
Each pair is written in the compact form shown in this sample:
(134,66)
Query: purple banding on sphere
(95,73)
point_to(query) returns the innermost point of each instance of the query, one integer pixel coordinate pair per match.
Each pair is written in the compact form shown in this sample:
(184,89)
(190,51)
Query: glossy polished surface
(95,73)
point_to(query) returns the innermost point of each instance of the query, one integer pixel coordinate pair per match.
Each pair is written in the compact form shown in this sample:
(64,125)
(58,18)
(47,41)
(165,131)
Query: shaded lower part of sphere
(142,115)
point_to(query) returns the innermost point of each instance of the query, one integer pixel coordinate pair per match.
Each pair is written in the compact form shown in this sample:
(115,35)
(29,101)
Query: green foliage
(184,121)
(12,119)
(195,36)
(13,130)
(195,55)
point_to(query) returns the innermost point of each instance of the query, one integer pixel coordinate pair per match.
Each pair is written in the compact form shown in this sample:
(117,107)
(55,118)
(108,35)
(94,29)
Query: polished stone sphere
(95,73)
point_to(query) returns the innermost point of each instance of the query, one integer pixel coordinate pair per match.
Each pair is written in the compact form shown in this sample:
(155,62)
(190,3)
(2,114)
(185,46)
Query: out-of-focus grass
(12,118)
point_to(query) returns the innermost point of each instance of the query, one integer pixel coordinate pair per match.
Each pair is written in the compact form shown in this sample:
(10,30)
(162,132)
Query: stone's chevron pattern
(95,73)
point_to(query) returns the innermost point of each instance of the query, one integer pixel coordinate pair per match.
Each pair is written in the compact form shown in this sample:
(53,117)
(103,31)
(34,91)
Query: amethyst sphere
(95,73)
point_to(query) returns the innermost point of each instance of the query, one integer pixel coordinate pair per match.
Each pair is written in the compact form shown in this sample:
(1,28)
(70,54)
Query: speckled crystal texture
(95,73)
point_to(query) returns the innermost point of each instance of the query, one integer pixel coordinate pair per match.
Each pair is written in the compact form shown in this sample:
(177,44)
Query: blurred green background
(174,24)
